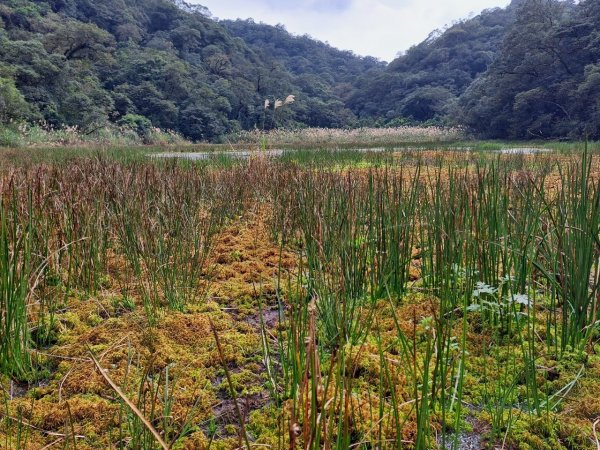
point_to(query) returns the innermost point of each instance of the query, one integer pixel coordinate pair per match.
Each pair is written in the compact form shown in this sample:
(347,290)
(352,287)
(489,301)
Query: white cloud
(378,28)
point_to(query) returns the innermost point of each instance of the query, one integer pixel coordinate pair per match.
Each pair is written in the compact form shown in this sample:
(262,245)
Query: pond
(274,153)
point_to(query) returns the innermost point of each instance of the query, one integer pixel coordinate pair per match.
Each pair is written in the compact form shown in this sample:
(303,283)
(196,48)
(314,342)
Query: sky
(379,28)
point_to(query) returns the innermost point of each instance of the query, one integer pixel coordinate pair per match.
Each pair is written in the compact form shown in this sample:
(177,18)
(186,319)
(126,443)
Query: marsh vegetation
(414,299)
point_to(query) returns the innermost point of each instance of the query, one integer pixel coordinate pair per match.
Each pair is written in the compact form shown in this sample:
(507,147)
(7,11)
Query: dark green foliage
(319,69)
(545,82)
(12,103)
(86,64)
(425,82)
(324,76)
(529,71)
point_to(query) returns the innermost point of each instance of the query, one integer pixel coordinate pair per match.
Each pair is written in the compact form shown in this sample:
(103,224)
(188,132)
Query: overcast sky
(378,28)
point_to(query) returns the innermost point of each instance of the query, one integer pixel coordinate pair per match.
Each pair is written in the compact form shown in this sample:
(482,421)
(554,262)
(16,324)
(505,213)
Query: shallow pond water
(245,154)
(274,153)
(523,151)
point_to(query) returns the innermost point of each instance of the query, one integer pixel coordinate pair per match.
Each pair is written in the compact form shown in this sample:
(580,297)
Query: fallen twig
(129,403)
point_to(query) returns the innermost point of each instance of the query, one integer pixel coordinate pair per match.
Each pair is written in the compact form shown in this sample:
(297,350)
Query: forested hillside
(326,75)
(424,84)
(545,82)
(531,70)
(155,63)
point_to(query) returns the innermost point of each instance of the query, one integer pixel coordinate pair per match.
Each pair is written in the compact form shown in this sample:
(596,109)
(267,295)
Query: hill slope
(530,70)
(325,75)
(545,81)
(426,82)
(85,63)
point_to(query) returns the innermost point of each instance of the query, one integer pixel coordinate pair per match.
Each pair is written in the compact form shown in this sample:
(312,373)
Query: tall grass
(411,276)
(569,253)
(30,135)
(64,231)
(16,269)
(490,240)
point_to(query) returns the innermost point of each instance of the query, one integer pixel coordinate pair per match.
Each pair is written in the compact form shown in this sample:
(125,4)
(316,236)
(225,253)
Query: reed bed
(432,298)
(330,137)
(504,252)
(69,227)
(43,135)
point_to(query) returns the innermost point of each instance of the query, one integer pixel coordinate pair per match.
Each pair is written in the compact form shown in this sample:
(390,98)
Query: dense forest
(545,81)
(425,83)
(158,63)
(325,76)
(531,70)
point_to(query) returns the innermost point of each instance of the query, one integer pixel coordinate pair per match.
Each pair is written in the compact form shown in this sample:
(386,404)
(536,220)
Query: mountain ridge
(169,64)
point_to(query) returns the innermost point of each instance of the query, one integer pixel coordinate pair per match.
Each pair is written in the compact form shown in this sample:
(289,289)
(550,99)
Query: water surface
(275,153)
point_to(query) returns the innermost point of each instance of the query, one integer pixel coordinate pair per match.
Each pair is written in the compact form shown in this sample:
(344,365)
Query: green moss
(94,320)
(264,425)
(230,429)
(248,381)
(549,432)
